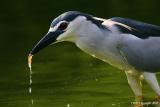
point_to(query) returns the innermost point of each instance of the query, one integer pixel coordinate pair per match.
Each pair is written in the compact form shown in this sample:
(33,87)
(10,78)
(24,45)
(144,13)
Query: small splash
(96,79)
(68,105)
(113,104)
(30,76)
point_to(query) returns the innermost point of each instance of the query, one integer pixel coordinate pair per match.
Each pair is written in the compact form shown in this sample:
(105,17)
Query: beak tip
(45,41)
(30,53)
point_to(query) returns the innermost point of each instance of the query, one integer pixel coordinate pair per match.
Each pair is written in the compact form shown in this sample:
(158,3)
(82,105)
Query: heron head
(67,27)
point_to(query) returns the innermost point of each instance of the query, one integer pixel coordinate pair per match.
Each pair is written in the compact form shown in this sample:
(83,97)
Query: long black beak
(49,38)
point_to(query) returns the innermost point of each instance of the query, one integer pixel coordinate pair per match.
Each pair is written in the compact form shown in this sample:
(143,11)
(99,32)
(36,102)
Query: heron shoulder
(139,29)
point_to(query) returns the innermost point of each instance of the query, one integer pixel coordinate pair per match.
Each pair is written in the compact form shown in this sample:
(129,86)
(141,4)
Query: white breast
(104,48)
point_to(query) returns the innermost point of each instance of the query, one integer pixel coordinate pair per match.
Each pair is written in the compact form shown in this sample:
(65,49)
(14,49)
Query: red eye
(63,26)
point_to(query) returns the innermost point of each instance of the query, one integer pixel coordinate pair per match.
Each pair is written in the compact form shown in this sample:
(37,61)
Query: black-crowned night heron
(129,45)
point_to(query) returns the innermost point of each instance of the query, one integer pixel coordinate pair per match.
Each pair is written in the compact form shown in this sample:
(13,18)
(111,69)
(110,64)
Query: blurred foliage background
(24,22)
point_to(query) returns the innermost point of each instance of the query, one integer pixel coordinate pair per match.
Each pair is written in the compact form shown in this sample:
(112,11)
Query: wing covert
(139,29)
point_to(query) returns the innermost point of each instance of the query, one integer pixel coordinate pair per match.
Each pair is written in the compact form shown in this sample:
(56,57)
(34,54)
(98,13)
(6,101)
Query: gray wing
(142,53)
(139,29)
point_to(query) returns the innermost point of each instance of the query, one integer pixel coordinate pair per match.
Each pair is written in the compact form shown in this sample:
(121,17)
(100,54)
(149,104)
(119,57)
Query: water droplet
(30,90)
(68,105)
(30,81)
(30,75)
(32,101)
(113,104)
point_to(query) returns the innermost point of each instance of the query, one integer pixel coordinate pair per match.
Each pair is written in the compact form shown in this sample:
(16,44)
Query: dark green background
(62,73)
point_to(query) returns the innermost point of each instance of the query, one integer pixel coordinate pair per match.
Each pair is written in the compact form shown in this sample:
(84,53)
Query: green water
(65,77)
(62,74)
